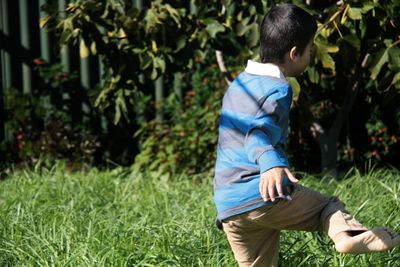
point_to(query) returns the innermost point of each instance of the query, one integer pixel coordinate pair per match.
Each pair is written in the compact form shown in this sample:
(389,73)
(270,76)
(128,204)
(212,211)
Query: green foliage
(121,218)
(356,41)
(187,138)
(382,142)
(45,126)
(137,46)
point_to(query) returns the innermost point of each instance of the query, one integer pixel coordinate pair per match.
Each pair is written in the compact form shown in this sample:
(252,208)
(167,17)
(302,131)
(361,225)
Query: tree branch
(222,67)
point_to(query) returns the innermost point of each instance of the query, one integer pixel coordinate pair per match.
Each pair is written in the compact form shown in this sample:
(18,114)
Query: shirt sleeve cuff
(271,159)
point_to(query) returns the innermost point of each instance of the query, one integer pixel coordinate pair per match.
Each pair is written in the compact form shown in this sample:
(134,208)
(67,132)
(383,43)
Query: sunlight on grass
(119,218)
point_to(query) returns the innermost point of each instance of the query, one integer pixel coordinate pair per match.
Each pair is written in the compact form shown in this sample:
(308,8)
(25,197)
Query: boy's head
(287,32)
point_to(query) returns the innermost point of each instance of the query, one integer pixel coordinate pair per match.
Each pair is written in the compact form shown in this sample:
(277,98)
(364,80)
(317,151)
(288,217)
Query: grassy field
(119,218)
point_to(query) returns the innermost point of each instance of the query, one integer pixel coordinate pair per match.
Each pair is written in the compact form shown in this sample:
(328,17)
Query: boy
(255,193)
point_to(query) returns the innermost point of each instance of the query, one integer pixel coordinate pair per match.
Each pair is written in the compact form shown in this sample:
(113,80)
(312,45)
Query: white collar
(266,69)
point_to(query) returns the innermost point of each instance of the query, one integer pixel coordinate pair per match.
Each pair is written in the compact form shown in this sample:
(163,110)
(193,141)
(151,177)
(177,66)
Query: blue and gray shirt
(252,136)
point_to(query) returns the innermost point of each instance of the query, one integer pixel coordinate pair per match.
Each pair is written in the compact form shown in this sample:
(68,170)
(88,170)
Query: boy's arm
(262,138)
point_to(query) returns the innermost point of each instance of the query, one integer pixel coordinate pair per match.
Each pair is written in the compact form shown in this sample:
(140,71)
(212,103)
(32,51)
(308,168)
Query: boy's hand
(273,178)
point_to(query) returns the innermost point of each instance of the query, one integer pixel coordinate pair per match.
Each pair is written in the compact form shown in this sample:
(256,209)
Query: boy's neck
(284,69)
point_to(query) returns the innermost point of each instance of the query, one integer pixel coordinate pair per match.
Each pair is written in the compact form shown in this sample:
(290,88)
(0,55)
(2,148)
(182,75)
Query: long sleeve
(267,128)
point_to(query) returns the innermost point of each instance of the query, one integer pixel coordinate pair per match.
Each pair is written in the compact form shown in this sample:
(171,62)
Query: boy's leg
(254,236)
(335,222)
(252,245)
(311,211)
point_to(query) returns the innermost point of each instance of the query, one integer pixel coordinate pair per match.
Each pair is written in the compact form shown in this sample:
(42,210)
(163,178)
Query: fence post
(178,86)
(5,59)
(138,4)
(25,43)
(44,37)
(84,69)
(65,50)
(159,94)
(193,7)
(84,73)
(159,83)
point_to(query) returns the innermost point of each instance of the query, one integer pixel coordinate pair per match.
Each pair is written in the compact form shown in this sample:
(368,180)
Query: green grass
(118,218)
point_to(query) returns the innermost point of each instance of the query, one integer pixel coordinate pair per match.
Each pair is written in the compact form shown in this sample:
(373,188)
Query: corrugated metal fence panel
(5,65)
(22,40)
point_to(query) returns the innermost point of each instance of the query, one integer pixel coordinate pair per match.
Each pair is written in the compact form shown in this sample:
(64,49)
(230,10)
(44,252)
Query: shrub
(187,138)
(47,124)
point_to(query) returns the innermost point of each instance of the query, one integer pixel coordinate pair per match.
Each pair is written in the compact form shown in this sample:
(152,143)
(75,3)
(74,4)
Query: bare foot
(378,239)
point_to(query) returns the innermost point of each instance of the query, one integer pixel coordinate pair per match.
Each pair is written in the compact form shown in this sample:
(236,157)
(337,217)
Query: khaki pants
(254,236)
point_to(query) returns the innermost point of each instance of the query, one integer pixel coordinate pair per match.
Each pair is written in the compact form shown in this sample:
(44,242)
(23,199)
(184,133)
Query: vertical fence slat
(65,49)
(193,7)
(159,95)
(178,86)
(138,4)
(25,43)
(44,37)
(84,65)
(84,70)
(159,83)
(5,56)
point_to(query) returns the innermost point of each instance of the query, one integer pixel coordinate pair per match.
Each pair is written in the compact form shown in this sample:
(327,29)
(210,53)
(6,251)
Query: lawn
(121,218)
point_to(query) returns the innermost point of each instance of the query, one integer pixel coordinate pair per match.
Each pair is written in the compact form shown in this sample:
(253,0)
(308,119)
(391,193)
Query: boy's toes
(343,246)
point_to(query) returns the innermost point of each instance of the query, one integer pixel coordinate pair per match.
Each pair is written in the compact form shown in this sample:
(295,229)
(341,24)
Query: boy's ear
(293,54)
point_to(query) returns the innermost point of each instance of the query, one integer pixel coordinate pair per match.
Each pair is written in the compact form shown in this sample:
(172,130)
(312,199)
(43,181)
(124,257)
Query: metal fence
(22,40)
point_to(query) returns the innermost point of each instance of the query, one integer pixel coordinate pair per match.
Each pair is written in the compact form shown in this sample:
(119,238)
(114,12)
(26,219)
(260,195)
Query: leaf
(83,50)
(323,49)
(394,57)
(43,21)
(242,28)
(122,33)
(363,27)
(214,27)
(226,3)
(396,80)
(159,63)
(313,75)
(180,43)
(331,48)
(121,101)
(353,40)
(344,17)
(154,47)
(146,59)
(355,13)
(381,58)
(253,35)
(65,36)
(117,115)
(76,32)
(93,48)
(120,107)
(367,7)
(151,19)
(174,14)
(296,88)
(153,74)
